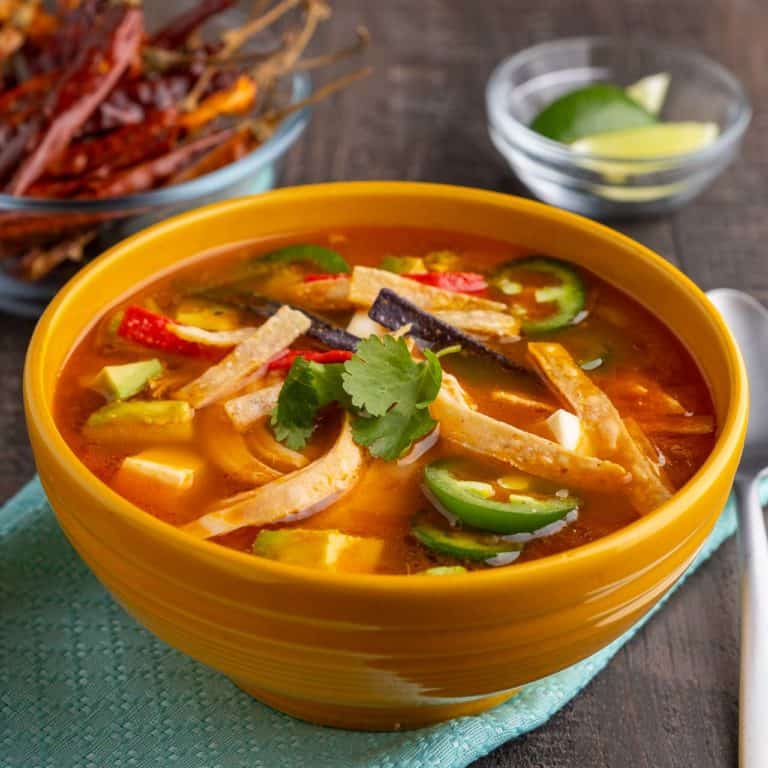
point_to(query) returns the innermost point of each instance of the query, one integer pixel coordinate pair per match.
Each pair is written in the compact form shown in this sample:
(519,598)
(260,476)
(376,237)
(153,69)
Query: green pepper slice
(519,514)
(444,570)
(568,295)
(464,545)
(326,259)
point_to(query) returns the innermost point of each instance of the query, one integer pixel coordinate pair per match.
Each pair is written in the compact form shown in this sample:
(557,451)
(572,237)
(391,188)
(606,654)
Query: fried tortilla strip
(367,282)
(331,294)
(696,424)
(483,322)
(463,425)
(642,394)
(312,488)
(211,338)
(227,449)
(602,422)
(646,445)
(263,444)
(246,410)
(522,401)
(227,376)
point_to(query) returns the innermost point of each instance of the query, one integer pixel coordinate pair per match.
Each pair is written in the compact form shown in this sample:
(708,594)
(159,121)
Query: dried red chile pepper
(88,81)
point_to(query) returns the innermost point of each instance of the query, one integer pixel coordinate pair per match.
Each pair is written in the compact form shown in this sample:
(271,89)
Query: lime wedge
(650,92)
(594,109)
(660,140)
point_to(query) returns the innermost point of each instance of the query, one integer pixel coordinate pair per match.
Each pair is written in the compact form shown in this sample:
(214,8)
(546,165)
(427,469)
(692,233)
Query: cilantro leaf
(381,373)
(382,386)
(308,387)
(392,391)
(389,436)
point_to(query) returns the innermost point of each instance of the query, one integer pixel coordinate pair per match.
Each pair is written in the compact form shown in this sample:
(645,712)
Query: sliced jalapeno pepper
(464,545)
(519,514)
(328,260)
(568,295)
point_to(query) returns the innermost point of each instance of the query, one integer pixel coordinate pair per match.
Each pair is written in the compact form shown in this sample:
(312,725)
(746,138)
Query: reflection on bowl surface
(700,90)
(372,651)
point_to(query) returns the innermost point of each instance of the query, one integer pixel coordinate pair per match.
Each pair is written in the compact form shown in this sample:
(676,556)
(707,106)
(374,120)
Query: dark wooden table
(670,697)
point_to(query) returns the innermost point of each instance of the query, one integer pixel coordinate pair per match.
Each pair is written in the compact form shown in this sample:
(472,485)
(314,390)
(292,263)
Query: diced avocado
(174,469)
(159,421)
(119,382)
(157,412)
(207,315)
(327,550)
(403,265)
(445,570)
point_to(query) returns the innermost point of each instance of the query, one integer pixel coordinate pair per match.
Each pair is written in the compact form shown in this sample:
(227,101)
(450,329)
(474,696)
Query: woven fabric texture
(83,686)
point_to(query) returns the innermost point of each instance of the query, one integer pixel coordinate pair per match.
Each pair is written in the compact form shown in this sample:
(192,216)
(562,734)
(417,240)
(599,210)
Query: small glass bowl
(118,217)
(607,187)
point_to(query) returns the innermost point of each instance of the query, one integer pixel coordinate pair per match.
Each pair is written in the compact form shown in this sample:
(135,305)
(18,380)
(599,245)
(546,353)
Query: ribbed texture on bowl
(390,651)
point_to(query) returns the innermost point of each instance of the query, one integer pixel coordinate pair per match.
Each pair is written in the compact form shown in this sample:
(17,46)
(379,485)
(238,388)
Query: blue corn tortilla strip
(393,312)
(320,330)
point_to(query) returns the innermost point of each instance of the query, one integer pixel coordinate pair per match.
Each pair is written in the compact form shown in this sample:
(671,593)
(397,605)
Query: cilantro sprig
(387,392)
(391,392)
(307,388)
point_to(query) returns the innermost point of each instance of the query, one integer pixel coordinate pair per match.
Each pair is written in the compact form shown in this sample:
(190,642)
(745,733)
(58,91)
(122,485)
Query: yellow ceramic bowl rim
(39,412)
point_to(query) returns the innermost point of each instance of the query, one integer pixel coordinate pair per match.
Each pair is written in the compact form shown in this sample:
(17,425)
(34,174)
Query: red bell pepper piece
(314,277)
(149,329)
(284,361)
(460,282)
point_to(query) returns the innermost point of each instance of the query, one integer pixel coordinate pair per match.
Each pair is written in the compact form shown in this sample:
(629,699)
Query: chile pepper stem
(319,95)
(363,39)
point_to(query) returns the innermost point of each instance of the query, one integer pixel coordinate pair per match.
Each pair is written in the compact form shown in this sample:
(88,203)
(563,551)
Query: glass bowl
(608,187)
(118,217)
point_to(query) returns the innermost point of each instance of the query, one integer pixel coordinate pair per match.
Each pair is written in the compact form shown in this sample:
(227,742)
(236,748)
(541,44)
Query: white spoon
(748,321)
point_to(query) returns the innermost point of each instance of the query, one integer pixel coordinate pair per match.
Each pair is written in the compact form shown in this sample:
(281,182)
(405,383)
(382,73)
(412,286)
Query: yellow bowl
(382,652)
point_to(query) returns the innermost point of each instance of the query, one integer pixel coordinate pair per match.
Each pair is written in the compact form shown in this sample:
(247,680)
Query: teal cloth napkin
(83,686)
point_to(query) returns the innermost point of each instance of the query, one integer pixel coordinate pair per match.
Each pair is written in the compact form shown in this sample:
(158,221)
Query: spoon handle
(753,696)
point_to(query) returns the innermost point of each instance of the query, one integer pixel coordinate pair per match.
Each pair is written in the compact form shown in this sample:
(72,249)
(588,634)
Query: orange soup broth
(638,352)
